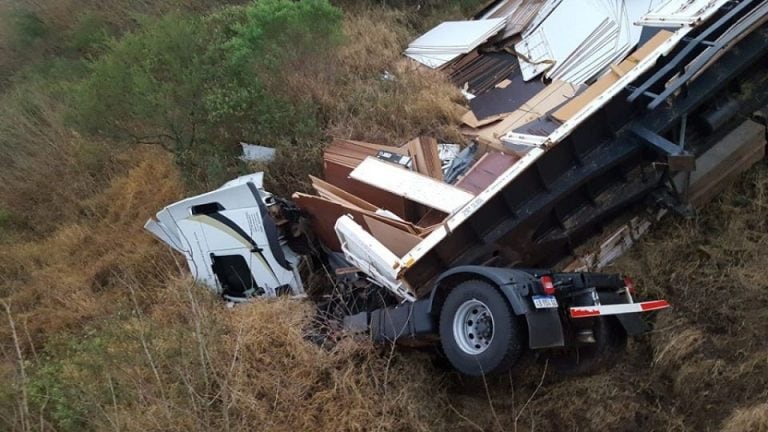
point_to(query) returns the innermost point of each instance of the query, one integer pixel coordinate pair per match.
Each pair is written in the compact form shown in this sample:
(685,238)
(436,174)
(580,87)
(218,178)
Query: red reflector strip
(654,305)
(617,309)
(583,312)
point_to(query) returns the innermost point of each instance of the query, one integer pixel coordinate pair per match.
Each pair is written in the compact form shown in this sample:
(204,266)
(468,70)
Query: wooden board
(490,166)
(575,105)
(338,175)
(471,120)
(720,165)
(553,95)
(426,160)
(324,214)
(411,185)
(323,187)
(399,242)
(506,99)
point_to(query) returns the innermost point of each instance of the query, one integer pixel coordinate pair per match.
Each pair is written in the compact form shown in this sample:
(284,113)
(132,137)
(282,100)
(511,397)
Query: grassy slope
(100,332)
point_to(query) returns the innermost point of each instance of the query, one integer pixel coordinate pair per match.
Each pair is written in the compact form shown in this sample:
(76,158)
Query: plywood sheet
(397,241)
(324,214)
(471,120)
(323,187)
(426,159)
(490,166)
(338,175)
(553,95)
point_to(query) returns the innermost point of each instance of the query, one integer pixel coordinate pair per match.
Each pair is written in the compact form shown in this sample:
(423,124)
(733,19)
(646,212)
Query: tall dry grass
(412,101)
(47,168)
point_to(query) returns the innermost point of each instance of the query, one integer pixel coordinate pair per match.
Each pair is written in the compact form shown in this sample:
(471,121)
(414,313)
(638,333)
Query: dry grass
(71,276)
(368,107)
(34,140)
(753,419)
(111,337)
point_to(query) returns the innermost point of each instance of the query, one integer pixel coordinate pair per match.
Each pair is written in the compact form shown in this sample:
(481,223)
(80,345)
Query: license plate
(544,301)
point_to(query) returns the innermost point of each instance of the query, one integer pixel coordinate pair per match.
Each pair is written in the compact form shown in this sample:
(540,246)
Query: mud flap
(633,324)
(545,330)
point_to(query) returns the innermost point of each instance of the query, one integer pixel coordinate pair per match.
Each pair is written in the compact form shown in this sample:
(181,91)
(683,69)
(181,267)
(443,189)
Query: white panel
(451,39)
(543,13)
(457,33)
(564,30)
(681,12)
(411,185)
(433,61)
(372,258)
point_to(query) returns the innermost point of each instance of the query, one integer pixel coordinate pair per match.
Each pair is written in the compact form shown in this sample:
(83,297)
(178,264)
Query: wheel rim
(473,327)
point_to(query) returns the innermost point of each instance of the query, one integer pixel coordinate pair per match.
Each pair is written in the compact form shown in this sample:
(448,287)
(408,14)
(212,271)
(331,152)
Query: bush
(89,34)
(284,32)
(198,86)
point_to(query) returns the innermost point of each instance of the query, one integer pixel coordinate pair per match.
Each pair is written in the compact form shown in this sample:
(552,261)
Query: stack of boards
(452,39)
(578,39)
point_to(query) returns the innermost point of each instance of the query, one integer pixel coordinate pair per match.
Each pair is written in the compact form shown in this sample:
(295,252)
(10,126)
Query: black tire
(610,340)
(498,351)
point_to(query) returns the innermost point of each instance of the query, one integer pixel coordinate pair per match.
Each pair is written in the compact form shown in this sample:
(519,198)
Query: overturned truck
(501,256)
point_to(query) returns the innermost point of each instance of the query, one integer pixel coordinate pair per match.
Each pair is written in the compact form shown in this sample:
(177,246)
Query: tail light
(630,284)
(548,285)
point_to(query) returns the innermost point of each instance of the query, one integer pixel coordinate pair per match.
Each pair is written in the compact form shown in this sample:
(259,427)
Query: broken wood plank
(426,160)
(322,187)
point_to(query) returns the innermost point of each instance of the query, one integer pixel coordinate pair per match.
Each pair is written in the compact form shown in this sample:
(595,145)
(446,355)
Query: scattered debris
(461,163)
(257,153)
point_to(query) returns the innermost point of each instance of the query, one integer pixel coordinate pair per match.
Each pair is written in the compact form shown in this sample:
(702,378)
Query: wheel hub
(473,327)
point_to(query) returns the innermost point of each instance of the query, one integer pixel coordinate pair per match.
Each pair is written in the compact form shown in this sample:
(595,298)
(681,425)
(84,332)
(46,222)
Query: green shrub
(89,34)
(198,86)
(280,32)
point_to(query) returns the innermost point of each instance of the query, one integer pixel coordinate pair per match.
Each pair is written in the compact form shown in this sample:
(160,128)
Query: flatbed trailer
(480,282)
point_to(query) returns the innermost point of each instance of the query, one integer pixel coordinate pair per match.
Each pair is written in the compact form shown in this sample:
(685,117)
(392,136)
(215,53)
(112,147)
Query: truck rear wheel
(479,332)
